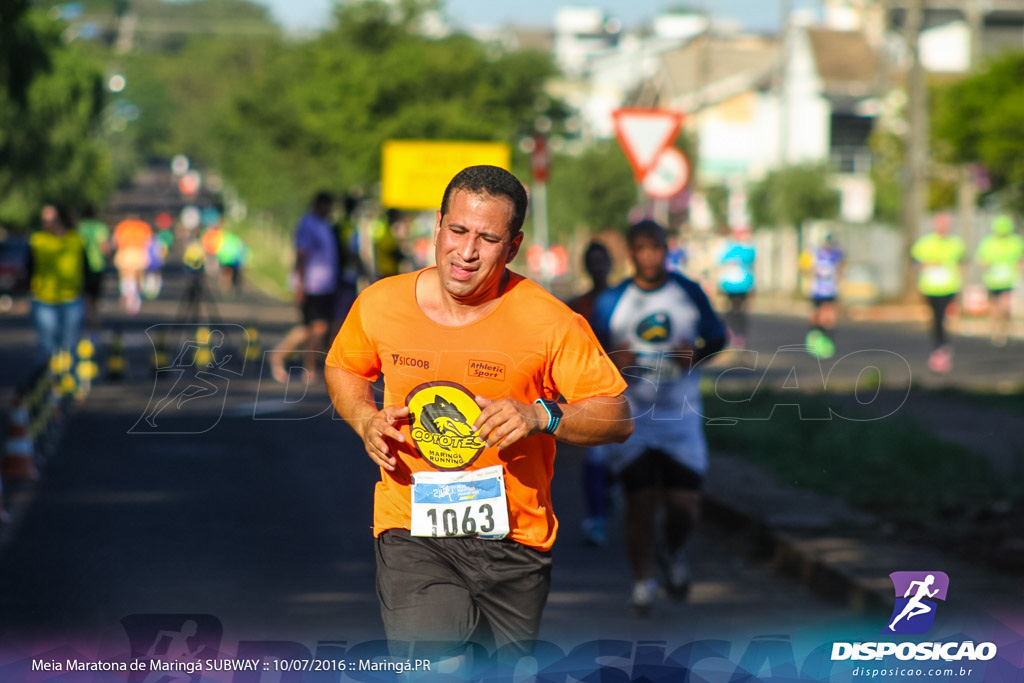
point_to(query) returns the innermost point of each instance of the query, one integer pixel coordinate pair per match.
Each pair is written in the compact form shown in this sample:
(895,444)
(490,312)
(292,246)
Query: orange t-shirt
(530,346)
(132,236)
(132,233)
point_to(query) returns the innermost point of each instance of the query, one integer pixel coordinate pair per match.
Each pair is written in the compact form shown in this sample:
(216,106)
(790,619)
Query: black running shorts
(657,469)
(317,307)
(439,594)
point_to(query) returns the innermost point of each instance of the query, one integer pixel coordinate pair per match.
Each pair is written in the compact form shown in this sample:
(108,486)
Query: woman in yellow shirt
(57,270)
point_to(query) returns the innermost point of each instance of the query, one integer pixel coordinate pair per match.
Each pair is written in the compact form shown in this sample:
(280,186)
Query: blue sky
(753,14)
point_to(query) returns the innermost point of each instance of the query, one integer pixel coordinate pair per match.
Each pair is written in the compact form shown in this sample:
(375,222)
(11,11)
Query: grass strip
(893,467)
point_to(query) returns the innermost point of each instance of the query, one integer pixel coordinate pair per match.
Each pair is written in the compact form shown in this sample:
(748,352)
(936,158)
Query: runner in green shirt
(939,257)
(1000,254)
(96,236)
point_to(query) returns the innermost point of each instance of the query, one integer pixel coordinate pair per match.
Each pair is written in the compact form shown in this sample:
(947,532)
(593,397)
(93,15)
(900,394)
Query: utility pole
(785,9)
(967,189)
(916,170)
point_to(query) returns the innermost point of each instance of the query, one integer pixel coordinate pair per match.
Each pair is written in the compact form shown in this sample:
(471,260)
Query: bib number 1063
(445,521)
(452,504)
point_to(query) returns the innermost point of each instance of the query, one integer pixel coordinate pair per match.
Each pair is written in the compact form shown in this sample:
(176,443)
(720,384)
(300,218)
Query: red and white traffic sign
(669,177)
(644,134)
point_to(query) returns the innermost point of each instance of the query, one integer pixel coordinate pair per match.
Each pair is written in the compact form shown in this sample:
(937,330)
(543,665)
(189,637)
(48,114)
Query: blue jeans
(58,326)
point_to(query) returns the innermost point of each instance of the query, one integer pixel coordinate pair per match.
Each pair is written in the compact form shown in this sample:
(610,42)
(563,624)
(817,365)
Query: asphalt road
(247,506)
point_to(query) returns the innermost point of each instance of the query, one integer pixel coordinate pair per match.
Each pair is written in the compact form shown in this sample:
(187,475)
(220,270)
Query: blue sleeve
(710,327)
(602,316)
(304,238)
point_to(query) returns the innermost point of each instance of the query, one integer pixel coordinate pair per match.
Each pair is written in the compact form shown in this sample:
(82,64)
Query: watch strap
(553,417)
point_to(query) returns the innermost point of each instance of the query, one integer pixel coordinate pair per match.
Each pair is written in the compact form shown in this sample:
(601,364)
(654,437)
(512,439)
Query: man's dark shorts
(317,307)
(657,469)
(438,594)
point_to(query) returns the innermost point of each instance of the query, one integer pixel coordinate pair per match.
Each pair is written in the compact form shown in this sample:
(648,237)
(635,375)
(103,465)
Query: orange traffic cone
(19,449)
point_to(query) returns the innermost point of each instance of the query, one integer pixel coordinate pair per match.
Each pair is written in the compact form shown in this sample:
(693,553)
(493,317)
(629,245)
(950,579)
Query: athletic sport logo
(441,416)
(916,593)
(656,327)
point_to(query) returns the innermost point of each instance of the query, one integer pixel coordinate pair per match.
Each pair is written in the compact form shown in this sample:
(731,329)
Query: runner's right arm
(352,397)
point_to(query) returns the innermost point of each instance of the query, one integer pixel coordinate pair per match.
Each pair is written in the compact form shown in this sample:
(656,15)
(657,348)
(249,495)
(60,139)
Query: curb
(844,556)
(807,547)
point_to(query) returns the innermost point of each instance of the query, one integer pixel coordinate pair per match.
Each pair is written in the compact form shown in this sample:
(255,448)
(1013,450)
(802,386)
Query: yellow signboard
(415,172)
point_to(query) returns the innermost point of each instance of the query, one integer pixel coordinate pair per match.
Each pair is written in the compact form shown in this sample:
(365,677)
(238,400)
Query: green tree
(793,195)
(24,49)
(319,112)
(49,124)
(718,202)
(979,119)
(594,190)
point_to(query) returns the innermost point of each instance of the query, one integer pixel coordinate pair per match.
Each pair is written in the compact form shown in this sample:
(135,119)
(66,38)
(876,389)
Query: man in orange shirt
(473,357)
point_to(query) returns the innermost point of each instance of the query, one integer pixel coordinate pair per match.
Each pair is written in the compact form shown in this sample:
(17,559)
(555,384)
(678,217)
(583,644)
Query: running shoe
(826,347)
(677,575)
(820,344)
(644,593)
(595,531)
(812,340)
(941,360)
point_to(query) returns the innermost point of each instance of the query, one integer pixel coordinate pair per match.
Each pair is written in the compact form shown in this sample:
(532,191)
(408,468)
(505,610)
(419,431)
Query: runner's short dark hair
(652,230)
(494,181)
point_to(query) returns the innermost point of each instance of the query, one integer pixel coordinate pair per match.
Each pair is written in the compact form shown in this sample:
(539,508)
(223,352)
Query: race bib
(938,277)
(465,503)
(733,274)
(1001,275)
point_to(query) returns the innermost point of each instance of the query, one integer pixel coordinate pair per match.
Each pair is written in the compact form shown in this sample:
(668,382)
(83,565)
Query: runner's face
(473,244)
(648,257)
(51,219)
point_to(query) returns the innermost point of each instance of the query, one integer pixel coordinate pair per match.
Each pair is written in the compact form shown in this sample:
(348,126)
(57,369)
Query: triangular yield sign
(644,134)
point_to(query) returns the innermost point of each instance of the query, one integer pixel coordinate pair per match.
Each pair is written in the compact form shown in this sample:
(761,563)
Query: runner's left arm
(588,422)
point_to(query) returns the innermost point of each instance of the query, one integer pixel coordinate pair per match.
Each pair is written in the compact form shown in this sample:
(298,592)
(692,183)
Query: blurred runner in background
(231,258)
(597,261)
(939,257)
(824,267)
(96,236)
(657,326)
(1000,253)
(57,265)
(316,283)
(736,280)
(132,238)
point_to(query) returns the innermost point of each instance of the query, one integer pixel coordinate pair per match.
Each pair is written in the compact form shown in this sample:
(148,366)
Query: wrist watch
(554,412)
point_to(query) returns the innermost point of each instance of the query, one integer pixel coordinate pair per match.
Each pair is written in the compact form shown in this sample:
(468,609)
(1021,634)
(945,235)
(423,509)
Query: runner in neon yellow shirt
(1000,253)
(939,256)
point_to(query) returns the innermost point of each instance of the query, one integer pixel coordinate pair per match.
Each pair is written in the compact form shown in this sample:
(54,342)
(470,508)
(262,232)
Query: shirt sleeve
(303,236)
(601,318)
(353,349)
(580,368)
(710,327)
(917,250)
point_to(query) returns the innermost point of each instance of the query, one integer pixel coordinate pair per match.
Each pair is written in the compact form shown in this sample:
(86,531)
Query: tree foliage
(50,109)
(593,190)
(283,119)
(979,118)
(792,196)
